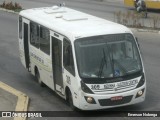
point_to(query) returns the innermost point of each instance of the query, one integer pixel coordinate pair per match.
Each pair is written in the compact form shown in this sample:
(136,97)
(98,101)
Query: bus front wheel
(70,100)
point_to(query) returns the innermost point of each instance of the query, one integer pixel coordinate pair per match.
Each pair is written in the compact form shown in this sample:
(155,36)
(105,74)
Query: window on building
(45,40)
(34,34)
(68,57)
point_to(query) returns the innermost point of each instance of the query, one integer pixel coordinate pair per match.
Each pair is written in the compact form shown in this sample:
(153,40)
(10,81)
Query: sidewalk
(8,101)
(12,100)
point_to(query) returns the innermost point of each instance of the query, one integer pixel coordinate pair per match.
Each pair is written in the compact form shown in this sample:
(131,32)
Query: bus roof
(72,23)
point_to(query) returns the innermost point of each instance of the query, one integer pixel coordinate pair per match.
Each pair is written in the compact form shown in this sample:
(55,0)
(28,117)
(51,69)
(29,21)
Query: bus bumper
(103,101)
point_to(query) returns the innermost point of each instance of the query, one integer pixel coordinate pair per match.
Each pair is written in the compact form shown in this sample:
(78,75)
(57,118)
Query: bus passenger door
(26,43)
(57,64)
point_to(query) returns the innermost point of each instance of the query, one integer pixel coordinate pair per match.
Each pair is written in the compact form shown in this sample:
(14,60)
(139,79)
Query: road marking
(22,102)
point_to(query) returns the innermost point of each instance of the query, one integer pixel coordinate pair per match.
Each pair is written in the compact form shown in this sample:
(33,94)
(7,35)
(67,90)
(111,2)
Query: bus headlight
(85,88)
(141,82)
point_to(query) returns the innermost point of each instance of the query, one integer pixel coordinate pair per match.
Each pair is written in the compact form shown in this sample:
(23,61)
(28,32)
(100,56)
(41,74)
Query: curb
(9,11)
(22,102)
(145,30)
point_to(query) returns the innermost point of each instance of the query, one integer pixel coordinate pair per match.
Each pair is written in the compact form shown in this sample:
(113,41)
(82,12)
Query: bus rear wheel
(37,75)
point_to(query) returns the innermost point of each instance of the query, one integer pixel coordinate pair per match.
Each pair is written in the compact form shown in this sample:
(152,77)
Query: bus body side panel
(73,81)
(73,84)
(69,69)
(43,62)
(61,76)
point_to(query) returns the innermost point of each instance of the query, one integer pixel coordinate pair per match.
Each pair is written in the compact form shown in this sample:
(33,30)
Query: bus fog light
(90,100)
(140,93)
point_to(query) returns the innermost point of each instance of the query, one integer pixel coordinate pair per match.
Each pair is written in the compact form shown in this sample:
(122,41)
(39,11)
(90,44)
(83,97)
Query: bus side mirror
(137,42)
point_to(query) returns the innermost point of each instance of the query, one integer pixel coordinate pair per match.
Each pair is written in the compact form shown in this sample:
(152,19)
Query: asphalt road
(93,7)
(42,98)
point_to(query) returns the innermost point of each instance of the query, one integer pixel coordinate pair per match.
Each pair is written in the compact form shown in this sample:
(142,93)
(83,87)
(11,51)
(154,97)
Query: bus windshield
(107,56)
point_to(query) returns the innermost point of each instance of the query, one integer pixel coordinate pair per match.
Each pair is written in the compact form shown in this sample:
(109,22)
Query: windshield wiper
(103,62)
(111,59)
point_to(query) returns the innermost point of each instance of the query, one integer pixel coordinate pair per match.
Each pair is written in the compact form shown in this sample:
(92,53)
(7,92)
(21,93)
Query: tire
(70,100)
(37,75)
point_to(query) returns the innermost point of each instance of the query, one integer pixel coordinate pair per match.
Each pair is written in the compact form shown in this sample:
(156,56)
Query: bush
(155,21)
(137,20)
(11,6)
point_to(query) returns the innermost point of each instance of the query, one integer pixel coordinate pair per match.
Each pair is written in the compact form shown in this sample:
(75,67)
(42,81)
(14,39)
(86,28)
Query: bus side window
(20,27)
(68,57)
(34,34)
(45,40)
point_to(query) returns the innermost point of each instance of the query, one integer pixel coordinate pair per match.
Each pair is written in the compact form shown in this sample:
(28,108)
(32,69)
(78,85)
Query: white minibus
(91,62)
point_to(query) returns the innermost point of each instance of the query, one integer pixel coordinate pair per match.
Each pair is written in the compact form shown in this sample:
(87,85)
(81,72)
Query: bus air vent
(74,18)
(58,15)
(55,9)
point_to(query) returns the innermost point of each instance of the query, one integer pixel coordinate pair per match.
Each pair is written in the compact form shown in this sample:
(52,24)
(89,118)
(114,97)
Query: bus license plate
(116,98)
